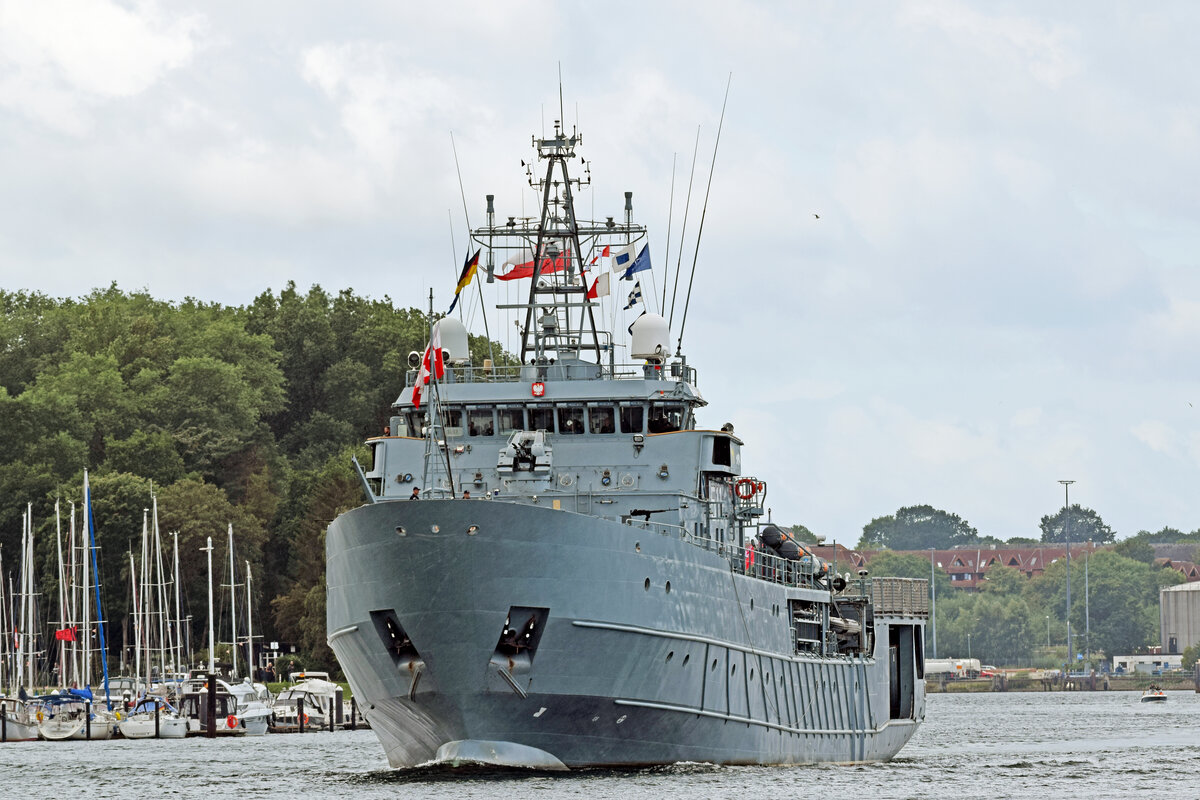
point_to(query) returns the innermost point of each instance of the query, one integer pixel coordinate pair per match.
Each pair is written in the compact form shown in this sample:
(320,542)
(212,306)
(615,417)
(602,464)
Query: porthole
(637,547)
(733,670)
(751,603)
(670,655)
(714,664)
(647,584)
(752,674)
(668,587)
(686,657)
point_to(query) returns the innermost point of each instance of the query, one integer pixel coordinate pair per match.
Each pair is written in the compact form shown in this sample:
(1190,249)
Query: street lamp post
(933,601)
(1067,530)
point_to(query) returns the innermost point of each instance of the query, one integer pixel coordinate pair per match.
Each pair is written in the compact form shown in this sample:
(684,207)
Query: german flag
(468,275)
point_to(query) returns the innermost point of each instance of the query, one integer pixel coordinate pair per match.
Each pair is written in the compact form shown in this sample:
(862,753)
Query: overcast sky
(1001,289)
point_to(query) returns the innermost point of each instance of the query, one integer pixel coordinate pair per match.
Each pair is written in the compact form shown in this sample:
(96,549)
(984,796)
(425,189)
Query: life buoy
(40,716)
(305,719)
(745,488)
(231,722)
(749,558)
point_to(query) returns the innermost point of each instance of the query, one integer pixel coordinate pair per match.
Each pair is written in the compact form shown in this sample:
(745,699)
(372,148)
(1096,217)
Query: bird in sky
(817,216)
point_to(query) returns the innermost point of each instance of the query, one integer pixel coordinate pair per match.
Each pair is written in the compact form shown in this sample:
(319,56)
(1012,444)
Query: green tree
(1136,548)
(1190,656)
(1122,601)
(917,528)
(802,534)
(1085,526)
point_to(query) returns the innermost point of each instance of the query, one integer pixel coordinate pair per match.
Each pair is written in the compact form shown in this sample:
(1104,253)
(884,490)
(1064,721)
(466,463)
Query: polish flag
(431,366)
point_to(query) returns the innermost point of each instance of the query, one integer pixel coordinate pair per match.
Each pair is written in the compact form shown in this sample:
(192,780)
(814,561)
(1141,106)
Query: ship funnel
(453,335)
(651,338)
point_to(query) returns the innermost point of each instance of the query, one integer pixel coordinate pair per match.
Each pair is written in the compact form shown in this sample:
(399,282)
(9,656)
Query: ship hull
(648,649)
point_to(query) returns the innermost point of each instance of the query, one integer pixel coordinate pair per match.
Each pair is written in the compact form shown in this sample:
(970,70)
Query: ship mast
(559,319)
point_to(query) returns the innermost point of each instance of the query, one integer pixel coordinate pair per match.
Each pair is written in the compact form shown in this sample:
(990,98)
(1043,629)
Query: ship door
(901,672)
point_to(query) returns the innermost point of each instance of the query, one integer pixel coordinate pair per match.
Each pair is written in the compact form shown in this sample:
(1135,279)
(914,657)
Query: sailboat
(73,715)
(152,715)
(17,721)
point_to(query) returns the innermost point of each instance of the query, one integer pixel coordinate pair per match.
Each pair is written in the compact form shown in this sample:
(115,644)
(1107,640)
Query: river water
(1019,745)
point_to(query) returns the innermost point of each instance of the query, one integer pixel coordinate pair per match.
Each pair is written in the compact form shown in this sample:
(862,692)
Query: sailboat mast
(164,630)
(249,628)
(63,624)
(20,637)
(30,639)
(232,607)
(91,520)
(87,598)
(137,624)
(212,634)
(74,591)
(178,619)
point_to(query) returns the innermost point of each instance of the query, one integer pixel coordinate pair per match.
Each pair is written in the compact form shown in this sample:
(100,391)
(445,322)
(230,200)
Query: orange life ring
(231,722)
(306,719)
(745,488)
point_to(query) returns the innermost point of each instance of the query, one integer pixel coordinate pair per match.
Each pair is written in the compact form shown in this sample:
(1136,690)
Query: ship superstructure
(610,592)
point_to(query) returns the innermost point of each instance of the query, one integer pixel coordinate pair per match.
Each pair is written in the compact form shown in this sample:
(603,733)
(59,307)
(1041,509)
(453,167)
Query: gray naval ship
(610,593)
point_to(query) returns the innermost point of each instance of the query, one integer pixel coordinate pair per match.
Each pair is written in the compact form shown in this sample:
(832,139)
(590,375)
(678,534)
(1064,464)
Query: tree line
(1016,619)
(229,414)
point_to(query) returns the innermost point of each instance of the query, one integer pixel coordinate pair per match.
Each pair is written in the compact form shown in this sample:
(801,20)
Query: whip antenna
(683,232)
(467,218)
(695,256)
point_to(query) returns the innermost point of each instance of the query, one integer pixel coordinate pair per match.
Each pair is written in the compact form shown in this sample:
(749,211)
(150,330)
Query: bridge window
(666,418)
(570,419)
(632,419)
(541,418)
(510,419)
(601,419)
(452,419)
(479,422)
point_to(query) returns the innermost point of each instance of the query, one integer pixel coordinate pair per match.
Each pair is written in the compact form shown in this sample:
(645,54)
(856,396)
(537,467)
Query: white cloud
(1156,435)
(59,57)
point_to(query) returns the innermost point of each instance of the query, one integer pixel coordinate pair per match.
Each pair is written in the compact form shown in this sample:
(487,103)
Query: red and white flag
(605,253)
(599,286)
(431,365)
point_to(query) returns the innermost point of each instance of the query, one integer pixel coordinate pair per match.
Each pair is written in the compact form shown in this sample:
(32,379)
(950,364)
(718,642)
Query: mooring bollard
(3,724)
(157,730)
(300,714)
(87,721)
(353,714)
(339,714)
(331,715)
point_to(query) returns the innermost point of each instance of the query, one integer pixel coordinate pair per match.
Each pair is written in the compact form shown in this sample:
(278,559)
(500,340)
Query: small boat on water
(140,723)
(1154,695)
(73,716)
(317,696)
(18,722)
